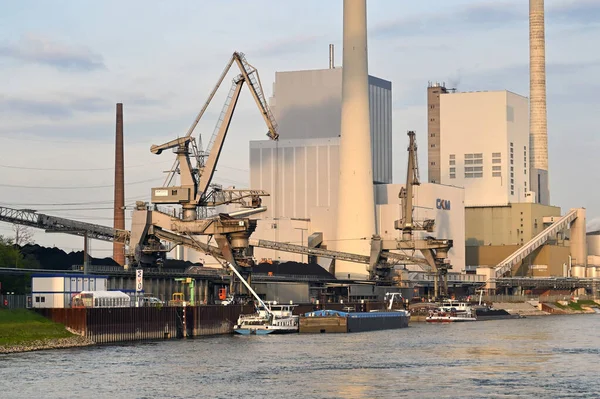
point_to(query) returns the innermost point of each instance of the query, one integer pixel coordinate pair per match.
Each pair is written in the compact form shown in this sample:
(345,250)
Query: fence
(12,301)
(103,325)
(524,298)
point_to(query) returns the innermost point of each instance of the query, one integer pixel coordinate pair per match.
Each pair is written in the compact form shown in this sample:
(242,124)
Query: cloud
(44,51)
(53,109)
(287,45)
(593,225)
(492,15)
(585,12)
(466,18)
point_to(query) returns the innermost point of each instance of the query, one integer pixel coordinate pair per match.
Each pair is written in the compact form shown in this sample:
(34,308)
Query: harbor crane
(434,251)
(195,192)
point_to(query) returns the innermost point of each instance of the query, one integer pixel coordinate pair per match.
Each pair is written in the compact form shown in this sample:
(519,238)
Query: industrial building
(302,169)
(307,105)
(56,290)
(479,141)
(444,204)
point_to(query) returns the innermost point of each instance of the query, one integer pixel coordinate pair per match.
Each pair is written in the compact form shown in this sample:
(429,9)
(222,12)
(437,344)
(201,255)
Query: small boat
(270,319)
(450,312)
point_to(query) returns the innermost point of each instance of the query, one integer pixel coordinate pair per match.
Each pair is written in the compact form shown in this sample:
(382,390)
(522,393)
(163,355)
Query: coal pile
(178,264)
(305,269)
(57,259)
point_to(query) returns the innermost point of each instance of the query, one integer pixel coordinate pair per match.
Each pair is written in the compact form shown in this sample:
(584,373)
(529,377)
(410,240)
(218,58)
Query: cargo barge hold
(333,321)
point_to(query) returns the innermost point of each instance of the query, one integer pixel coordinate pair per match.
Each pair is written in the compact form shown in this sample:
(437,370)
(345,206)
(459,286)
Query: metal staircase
(561,224)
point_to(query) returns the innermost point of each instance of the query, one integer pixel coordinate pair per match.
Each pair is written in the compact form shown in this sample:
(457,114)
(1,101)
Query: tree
(9,254)
(23,235)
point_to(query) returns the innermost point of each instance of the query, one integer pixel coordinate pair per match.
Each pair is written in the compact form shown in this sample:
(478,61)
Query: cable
(74,188)
(78,170)
(140,198)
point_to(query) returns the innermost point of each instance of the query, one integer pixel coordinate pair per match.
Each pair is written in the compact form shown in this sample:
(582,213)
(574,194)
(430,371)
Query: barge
(334,321)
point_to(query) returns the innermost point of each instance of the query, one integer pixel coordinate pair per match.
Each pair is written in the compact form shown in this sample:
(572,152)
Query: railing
(525,298)
(452,277)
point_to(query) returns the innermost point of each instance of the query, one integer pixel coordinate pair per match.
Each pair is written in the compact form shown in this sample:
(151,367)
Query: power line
(79,170)
(140,198)
(75,188)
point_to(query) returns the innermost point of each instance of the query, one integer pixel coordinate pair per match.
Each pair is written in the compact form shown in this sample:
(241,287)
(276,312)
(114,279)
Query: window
(433,164)
(452,162)
(452,170)
(468,156)
(433,146)
(452,156)
(496,167)
(512,169)
(496,160)
(525,171)
(511,144)
(452,176)
(512,175)
(432,135)
(37,299)
(43,299)
(496,174)
(473,168)
(496,155)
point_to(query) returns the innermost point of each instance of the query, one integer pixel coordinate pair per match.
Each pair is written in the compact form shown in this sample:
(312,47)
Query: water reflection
(546,357)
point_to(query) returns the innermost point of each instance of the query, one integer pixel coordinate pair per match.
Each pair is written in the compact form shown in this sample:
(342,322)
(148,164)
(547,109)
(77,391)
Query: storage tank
(593,243)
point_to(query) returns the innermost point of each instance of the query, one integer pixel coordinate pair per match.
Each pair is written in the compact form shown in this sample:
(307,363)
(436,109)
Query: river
(542,357)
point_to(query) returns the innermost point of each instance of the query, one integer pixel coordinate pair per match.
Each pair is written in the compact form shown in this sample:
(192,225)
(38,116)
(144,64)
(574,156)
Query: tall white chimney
(356,204)
(538,130)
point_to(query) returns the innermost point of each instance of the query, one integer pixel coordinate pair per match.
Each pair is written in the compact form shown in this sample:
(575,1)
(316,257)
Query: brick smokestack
(538,130)
(119,216)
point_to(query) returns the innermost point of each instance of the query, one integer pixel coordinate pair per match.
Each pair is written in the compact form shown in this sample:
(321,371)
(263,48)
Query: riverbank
(23,330)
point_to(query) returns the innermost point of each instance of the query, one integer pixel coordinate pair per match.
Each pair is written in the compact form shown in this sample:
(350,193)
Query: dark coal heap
(306,269)
(178,264)
(57,259)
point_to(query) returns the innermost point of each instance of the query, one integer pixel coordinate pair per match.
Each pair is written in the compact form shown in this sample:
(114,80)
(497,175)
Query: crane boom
(216,143)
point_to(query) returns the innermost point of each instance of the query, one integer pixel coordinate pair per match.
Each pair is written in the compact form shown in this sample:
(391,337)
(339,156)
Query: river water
(542,357)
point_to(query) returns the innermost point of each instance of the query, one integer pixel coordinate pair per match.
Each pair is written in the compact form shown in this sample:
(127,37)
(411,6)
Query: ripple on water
(519,358)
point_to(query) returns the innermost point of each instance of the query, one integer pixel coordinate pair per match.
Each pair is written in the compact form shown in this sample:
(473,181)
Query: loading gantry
(195,192)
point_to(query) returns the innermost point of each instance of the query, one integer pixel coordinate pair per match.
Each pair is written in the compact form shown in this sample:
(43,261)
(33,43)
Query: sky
(64,65)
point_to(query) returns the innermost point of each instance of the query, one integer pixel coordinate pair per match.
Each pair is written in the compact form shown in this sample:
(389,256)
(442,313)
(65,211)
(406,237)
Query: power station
(322,191)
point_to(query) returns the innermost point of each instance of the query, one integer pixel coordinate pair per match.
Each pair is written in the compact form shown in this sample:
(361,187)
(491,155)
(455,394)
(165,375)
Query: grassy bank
(21,326)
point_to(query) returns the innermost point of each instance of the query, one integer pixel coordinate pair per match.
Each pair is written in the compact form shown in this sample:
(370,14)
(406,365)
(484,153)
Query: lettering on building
(442,204)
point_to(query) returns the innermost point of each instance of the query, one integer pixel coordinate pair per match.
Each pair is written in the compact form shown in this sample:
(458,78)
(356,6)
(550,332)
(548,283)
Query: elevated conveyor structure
(561,224)
(56,224)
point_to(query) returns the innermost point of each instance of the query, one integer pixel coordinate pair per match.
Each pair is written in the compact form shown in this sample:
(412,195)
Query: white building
(301,170)
(444,204)
(308,105)
(56,290)
(484,139)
